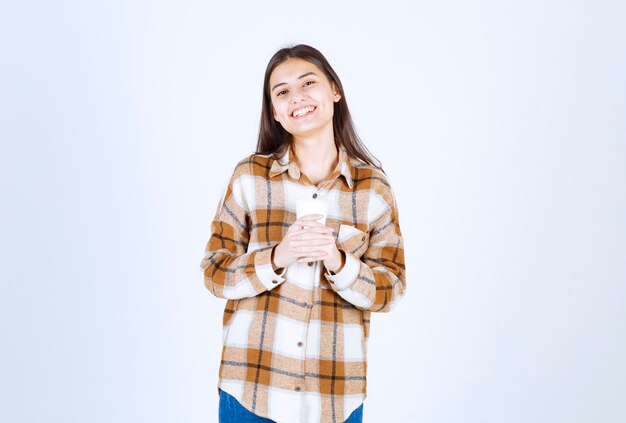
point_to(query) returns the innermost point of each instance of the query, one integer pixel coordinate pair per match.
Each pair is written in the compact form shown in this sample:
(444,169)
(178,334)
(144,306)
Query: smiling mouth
(304,111)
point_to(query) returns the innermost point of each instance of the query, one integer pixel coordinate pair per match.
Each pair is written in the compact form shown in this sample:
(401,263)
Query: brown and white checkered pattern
(295,344)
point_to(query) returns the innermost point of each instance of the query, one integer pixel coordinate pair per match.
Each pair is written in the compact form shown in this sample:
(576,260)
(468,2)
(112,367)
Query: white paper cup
(305,206)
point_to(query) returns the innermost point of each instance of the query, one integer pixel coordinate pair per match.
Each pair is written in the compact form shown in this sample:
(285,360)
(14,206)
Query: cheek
(279,109)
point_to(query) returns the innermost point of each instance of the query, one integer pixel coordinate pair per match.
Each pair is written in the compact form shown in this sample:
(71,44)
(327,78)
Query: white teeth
(302,111)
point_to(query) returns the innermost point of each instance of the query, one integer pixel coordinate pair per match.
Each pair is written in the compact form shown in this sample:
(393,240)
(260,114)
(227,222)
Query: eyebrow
(300,77)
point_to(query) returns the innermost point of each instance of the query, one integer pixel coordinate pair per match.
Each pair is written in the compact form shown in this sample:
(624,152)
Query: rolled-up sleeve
(230,270)
(377,280)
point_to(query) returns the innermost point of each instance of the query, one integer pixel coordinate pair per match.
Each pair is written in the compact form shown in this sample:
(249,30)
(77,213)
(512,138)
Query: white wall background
(501,125)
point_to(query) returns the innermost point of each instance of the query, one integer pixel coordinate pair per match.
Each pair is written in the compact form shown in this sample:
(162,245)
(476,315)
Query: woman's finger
(313,257)
(304,223)
(320,233)
(300,235)
(310,243)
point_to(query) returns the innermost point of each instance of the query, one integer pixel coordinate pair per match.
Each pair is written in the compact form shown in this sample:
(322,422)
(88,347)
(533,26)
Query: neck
(315,151)
(307,156)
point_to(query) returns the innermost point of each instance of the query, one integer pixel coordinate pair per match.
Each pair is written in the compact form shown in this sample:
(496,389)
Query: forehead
(291,69)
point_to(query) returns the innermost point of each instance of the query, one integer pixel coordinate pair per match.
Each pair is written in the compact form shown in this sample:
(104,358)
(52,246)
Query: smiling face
(302,97)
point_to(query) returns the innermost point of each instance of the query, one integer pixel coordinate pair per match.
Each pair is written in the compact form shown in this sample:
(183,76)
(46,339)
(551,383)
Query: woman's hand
(308,240)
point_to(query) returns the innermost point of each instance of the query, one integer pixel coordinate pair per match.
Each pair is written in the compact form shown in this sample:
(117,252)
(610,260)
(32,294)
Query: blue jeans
(233,412)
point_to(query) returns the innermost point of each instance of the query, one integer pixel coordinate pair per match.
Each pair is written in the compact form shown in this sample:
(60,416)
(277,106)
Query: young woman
(300,288)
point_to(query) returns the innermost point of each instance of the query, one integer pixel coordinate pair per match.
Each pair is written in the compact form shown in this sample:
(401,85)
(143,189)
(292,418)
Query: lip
(303,116)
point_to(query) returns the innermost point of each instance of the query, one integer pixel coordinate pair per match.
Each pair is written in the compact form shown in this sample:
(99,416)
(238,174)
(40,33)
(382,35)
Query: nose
(297,95)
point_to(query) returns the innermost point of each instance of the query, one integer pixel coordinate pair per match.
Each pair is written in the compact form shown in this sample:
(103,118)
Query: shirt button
(298,389)
(315,195)
(310,263)
(305,305)
(299,344)
(363,239)
(274,281)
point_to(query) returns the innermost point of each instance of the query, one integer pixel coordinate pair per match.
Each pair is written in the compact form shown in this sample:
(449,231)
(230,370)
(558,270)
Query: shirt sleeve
(377,280)
(230,270)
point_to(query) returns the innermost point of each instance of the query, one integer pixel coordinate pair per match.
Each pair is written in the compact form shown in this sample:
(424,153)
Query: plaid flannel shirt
(295,343)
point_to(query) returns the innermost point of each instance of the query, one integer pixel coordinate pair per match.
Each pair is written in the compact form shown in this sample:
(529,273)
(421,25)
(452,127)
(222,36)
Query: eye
(279,93)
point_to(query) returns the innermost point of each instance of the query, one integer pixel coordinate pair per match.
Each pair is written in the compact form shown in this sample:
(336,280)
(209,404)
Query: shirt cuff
(347,275)
(265,271)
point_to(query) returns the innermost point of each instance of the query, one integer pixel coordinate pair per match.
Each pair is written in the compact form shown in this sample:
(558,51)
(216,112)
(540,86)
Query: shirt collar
(284,164)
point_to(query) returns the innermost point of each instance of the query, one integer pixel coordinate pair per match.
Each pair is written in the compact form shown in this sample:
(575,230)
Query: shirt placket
(313,273)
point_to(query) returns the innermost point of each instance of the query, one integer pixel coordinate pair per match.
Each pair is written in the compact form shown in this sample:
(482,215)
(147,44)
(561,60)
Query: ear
(336,95)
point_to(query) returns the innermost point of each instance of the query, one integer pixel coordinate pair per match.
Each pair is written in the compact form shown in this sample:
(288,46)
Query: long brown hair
(273,139)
